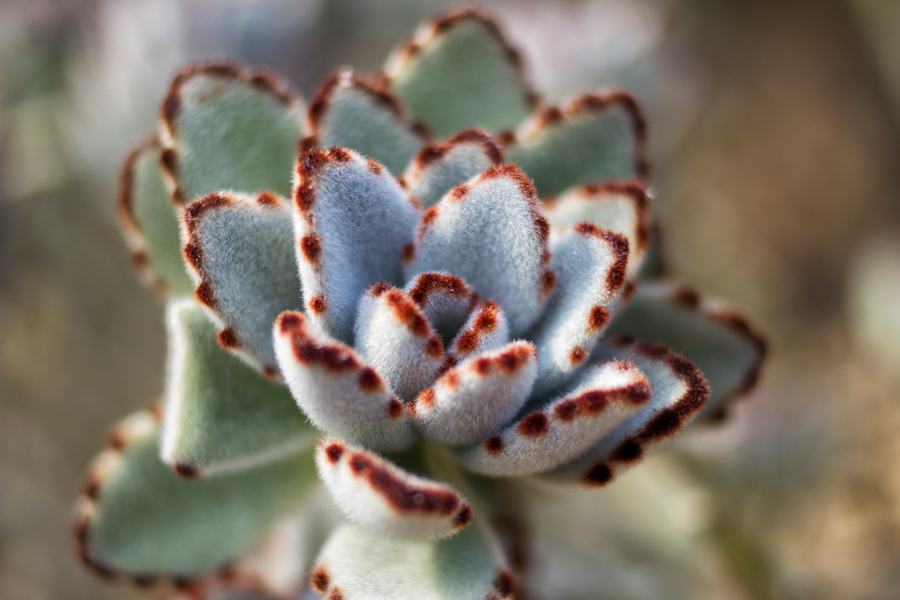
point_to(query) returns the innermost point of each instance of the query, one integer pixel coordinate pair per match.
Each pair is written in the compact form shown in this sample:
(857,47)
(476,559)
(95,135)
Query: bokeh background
(775,132)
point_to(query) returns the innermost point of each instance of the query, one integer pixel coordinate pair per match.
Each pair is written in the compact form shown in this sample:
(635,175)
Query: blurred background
(775,132)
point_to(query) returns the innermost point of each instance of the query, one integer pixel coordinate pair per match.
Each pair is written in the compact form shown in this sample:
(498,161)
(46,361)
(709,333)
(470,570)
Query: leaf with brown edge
(240,250)
(365,566)
(594,138)
(460,72)
(338,391)
(227,128)
(486,329)
(350,112)
(478,396)
(221,415)
(150,221)
(138,519)
(724,344)
(546,436)
(445,299)
(381,497)
(357,220)
(438,168)
(678,392)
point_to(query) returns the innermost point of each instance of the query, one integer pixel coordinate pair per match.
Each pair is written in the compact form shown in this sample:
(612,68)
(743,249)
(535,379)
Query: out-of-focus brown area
(776,137)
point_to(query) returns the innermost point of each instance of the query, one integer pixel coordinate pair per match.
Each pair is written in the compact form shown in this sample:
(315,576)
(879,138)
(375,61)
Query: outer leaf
(336,389)
(224,127)
(595,138)
(460,72)
(352,113)
(490,232)
(438,168)
(445,299)
(150,221)
(486,329)
(590,264)
(342,198)
(221,415)
(356,565)
(240,250)
(383,498)
(619,206)
(394,336)
(602,398)
(678,392)
(724,345)
(137,517)
(477,397)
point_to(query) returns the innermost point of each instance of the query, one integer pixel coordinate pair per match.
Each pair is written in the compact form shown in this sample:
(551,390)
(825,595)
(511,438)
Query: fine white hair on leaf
(352,222)
(438,168)
(239,250)
(600,399)
(590,265)
(395,338)
(349,112)
(445,299)
(381,497)
(336,389)
(678,393)
(487,329)
(478,396)
(620,206)
(490,232)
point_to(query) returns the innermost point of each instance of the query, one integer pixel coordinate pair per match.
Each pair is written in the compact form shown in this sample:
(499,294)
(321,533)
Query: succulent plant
(469,323)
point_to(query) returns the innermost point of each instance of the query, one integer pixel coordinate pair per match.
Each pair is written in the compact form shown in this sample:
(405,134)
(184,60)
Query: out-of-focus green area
(775,129)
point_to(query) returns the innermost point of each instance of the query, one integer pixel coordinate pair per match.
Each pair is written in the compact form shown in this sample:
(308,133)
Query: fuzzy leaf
(227,128)
(151,222)
(490,232)
(336,389)
(619,206)
(478,396)
(678,392)
(340,198)
(220,414)
(590,265)
(383,498)
(138,517)
(724,345)
(240,250)
(601,398)
(446,300)
(358,565)
(438,168)
(394,337)
(486,329)
(595,138)
(351,113)
(460,72)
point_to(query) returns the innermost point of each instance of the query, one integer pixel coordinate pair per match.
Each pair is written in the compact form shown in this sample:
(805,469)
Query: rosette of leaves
(417,325)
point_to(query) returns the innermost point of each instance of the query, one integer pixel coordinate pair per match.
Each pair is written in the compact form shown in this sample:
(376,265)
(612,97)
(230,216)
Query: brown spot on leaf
(187,471)
(548,282)
(577,355)
(307,350)
(320,580)
(598,318)
(406,311)
(317,305)
(311,247)
(402,495)
(228,338)
(205,294)
(505,584)
(463,517)
(628,451)
(534,425)
(268,199)
(598,475)
(395,408)
(334,451)
(370,381)
(409,253)
(493,445)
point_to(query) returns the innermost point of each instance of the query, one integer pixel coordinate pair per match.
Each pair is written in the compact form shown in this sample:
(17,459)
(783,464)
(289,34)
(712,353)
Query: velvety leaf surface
(602,397)
(490,232)
(724,345)
(590,265)
(438,168)
(460,72)
(225,128)
(487,329)
(357,565)
(138,517)
(241,253)
(594,138)
(352,113)
(619,206)
(151,221)
(384,498)
(337,390)
(352,222)
(220,414)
